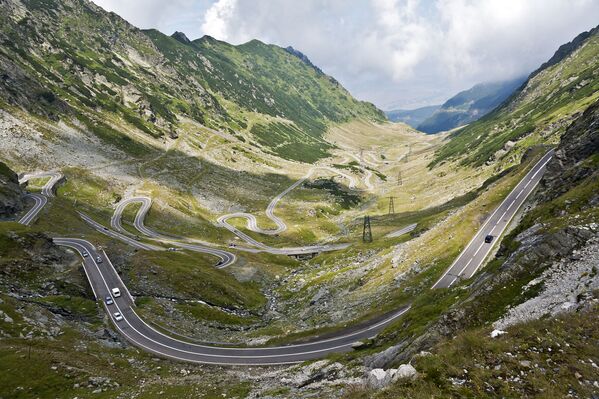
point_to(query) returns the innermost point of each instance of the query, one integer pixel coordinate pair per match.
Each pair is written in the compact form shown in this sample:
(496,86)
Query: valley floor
(261,298)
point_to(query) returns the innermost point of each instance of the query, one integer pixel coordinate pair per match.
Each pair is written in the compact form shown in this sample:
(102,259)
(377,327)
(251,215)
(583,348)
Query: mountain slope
(71,59)
(543,281)
(297,98)
(538,112)
(412,117)
(469,105)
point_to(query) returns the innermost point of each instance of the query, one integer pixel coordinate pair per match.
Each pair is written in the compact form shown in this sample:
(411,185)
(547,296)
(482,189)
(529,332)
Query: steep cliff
(11,194)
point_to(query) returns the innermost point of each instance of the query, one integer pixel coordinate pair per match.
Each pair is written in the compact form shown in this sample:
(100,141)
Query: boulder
(497,333)
(378,378)
(403,372)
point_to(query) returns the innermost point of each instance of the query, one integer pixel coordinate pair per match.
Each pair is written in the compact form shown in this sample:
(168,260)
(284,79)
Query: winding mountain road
(252,222)
(226,258)
(103,277)
(48,189)
(475,253)
(40,200)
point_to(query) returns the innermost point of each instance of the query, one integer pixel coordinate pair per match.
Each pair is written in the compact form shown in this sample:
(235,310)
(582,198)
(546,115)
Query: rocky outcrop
(181,37)
(380,378)
(579,143)
(567,285)
(303,57)
(11,194)
(565,50)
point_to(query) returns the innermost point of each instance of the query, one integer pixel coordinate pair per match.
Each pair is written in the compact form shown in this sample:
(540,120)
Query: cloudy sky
(395,53)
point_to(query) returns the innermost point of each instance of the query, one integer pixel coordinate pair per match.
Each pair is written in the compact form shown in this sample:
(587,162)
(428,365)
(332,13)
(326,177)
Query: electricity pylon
(367,232)
(391,206)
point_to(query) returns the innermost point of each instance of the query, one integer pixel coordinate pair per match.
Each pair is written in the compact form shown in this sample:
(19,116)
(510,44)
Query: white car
(118,316)
(116,292)
(85,254)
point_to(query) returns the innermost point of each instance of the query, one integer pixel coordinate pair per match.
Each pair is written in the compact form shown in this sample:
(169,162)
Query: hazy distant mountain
(412,117)
(538,111)
(469,105)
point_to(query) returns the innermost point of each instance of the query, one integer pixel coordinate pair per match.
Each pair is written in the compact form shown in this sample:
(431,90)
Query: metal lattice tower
(391,206)
(399,178)
(367,232)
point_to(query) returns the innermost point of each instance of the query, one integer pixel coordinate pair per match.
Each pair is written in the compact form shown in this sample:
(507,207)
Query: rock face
(181,37)
(11,194)
(565,286)
(579,143)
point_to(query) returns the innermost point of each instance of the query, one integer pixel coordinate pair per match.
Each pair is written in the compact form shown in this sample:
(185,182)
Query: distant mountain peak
(303,57)
(181,37)
(566,49)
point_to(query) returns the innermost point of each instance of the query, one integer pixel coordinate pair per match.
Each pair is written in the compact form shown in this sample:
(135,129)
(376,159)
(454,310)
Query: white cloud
(167,16)
(218,17)
(409,50)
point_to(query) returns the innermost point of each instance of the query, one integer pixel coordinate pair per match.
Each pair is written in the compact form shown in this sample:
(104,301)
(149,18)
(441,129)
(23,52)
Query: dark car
(98,259)
(488,239)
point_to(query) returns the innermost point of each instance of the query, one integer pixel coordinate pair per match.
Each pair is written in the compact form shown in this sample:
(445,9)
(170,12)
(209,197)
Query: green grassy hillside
(71,60)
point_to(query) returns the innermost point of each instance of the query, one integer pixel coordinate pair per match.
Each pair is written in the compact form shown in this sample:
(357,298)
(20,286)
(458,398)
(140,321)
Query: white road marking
(537,168)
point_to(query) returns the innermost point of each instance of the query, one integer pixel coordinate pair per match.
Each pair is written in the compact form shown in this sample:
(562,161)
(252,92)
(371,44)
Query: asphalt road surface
(40,200)
(403,231)
(226,258)
(48,189)
(116,235)
(103,277)
(475,253)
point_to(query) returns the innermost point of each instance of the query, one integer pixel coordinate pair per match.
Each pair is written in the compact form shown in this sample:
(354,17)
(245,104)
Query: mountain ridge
(92,62)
